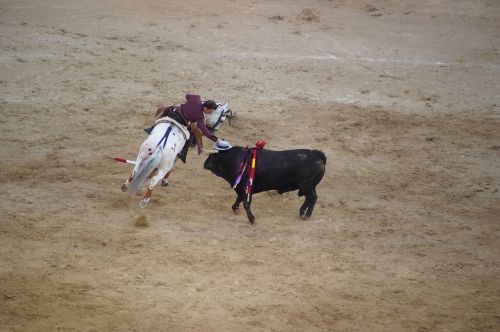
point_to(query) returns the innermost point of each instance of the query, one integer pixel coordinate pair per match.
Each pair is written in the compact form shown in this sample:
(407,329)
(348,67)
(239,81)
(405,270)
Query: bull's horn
(210,151)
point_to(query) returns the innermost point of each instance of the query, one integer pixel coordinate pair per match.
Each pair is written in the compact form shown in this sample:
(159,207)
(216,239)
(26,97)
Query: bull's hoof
(164,183)
(124,187)
(144,202)
(251,220)
(305,217)
(235,209)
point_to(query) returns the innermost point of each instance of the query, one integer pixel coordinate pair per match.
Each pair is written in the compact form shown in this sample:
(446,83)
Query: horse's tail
(143,170)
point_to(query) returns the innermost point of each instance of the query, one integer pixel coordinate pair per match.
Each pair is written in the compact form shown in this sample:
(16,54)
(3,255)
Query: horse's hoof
(164,183)
(124,187)
(144,202)
(252,220)
(305,217)
(235,209)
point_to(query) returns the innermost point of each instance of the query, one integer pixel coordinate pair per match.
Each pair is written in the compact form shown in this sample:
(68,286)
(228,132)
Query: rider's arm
(203,127)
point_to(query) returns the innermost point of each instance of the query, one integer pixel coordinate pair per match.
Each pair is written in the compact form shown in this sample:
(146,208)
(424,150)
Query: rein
(227,113)
(217,122)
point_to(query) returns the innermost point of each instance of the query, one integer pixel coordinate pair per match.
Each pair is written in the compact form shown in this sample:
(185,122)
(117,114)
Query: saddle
(175,113)
(163,111)
(183,128)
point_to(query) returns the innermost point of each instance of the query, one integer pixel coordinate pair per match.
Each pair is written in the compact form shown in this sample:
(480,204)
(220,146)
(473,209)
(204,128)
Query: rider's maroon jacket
(193,111)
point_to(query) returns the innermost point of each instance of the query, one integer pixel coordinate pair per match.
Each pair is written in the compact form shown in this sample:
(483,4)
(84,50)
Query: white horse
(156,157)
(217,117)
(159,151)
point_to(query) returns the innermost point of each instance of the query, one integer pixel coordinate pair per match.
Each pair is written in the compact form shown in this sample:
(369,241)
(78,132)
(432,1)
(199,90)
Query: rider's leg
(183,154)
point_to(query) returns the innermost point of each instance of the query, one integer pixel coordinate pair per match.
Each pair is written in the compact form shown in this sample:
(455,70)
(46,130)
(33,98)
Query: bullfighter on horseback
(168,139)
(192,115)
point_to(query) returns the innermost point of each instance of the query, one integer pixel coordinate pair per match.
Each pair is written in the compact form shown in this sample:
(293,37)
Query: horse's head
(217,117)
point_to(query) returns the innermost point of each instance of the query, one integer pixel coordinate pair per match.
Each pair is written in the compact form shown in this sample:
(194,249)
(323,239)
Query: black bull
(283,171)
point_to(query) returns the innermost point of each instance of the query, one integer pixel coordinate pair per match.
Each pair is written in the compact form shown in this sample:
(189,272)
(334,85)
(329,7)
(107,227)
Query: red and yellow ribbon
(251,175)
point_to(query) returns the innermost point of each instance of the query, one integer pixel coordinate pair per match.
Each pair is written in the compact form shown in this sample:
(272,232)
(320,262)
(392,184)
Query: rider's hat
(222,145)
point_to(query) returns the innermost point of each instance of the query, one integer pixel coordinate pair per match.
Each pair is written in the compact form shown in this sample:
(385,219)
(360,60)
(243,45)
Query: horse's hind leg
(126,183)
(147,197)
(159,174)
(162,173)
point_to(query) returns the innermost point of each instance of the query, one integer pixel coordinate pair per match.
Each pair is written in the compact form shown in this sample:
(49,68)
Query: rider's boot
(183,154)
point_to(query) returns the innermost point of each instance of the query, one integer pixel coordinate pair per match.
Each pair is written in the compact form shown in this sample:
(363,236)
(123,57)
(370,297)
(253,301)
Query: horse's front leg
(157,175)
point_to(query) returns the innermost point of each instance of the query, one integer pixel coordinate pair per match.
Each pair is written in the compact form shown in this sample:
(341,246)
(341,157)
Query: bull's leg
(246,205)
(311,198)
(236,204)
(303,208)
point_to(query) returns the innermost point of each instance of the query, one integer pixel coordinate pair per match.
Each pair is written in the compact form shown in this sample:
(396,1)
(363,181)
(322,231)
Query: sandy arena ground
(402,96)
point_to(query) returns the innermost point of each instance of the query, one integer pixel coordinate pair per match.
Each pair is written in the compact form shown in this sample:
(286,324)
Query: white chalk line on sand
(325,56)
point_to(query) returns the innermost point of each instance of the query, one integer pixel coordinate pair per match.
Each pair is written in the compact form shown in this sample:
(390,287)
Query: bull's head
(212,161)
(219,163)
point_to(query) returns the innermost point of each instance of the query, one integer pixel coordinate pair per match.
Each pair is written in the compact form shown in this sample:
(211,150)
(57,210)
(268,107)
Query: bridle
(228,114)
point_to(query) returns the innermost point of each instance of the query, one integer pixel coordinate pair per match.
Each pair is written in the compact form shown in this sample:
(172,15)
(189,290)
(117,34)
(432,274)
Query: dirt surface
(402,97)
